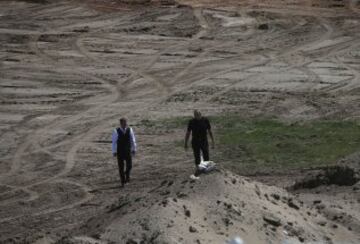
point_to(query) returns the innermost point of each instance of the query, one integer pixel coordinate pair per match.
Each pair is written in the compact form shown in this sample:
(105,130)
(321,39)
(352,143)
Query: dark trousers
(199,148)
(124,173)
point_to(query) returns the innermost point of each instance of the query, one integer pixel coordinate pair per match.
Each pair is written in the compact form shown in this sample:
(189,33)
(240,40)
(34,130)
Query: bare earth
(70,69)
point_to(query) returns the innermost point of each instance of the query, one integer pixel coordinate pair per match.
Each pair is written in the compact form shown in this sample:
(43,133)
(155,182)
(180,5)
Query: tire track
(88,196)
(161,86)
(235,58)
(31,139)
(284,53)
(198,13)
(349,83)
(32,196)
(301,66)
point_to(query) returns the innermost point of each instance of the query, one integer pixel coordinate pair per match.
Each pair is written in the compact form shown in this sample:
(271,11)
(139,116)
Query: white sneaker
(193,177)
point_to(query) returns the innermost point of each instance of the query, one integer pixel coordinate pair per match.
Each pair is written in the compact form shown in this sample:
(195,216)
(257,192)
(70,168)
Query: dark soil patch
(336,175)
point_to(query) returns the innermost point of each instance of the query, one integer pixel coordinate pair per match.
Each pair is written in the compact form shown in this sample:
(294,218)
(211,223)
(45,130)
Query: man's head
(197,114)
(123,123)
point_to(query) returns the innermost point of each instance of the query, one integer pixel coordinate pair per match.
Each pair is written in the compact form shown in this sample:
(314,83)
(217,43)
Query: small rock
(192,229)
(320,206)
(207,38)
(237,210)
(257,190)
(164,193)
(275,196)
(293,205)
(163,182)
(164,202)
(195,49)
(132,241)
(328,239)
(96,236)
(263,27)
(322,223)
(228,205)
(187,213)
(181,195)
(316,202)
(227,221)
(272,220)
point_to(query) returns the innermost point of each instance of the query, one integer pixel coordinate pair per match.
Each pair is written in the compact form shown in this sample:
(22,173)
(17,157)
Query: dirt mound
(336,175)
(216,208)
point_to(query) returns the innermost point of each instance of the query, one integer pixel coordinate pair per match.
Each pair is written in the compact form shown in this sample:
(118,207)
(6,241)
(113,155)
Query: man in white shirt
(124,147)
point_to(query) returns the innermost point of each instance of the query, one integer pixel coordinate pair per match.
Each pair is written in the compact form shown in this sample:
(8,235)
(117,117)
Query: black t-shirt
(199,128)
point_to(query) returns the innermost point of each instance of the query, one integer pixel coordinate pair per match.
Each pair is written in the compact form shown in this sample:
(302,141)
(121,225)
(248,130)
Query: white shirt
(115,139)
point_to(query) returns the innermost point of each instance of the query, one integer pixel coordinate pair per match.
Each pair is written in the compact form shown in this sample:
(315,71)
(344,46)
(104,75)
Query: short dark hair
(123,119)
(197,112)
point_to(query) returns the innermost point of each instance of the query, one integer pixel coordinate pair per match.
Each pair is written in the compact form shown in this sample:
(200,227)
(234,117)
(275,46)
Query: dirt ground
(70,69)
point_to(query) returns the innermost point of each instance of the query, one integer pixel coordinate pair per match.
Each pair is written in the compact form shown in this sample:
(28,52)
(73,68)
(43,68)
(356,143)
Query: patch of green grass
(261,144)
(270,143)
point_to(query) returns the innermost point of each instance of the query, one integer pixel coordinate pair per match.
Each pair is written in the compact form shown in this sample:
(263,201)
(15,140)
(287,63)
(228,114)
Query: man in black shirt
(199,127)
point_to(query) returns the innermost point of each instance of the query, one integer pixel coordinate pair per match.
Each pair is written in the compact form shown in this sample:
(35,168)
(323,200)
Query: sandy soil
(70,69)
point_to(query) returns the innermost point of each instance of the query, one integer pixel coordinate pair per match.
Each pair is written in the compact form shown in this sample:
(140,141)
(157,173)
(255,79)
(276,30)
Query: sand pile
(214,209)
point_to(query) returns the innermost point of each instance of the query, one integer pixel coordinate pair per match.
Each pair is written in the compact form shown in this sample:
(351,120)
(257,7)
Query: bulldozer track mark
(32,139)
(263,63)
(83,200)
(203,23)
(161,86)
(236,57)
